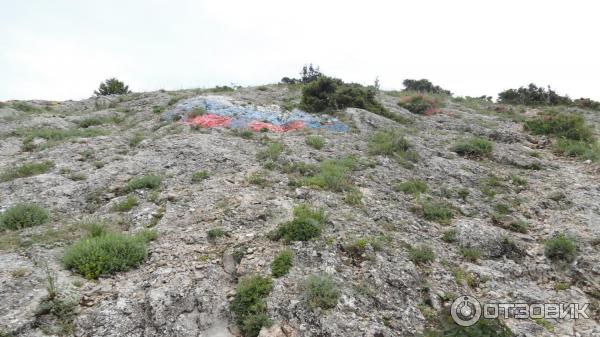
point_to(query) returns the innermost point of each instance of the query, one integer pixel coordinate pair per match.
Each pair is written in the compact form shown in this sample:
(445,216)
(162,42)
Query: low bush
(307,224)
(26,170)
(333,175)
(568,126)
(282,263)
(470,254)
(316,142)
(413,186)
(451,235)
(249,306)
(388,143)
(474,147)
(438,212)
(424,85)
(321,292)
(90,121)
(199,176)
(112,86)
(148,181)
(326,94)
(105,252)
(561,248)
(353,197)
(271,152)
(421,255)
(125,205)
(532,95)
(420,104)
(23,215)
(579,149)
(214,233)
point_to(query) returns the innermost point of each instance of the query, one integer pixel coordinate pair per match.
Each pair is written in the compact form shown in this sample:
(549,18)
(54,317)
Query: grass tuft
(474,147)
(26,170)
(321,292)
(23,215)
(148,181)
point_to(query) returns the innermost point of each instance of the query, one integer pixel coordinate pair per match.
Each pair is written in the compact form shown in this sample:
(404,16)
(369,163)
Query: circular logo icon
(465,310)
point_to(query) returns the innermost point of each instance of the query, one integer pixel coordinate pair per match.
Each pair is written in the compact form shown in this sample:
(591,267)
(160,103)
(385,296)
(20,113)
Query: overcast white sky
(62,49)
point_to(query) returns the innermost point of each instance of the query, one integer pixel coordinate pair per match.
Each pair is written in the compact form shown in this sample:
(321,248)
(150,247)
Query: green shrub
(90,121)
(199,176)
(413,186)
(23,215)
(438,212)
(446,327)
(54,136)
(148,181)
(451,235)
(157,109)
(353,197)
(24,106)
(333,175)
(421,255)
(424,85)
(136,139)
(321,292)
(580,149)
(26,170)
(249,306)
(112,86)
(470,254)
(560,248)
(532,95)
(306,225)
(246,134)
(106,253)
(388,143)
(568,126)
(125,205)
(420,104)
(327,94)
(473,147)
(316,142)
(259,179)
(271,152)
(217,232)
(520,226)
(282,263)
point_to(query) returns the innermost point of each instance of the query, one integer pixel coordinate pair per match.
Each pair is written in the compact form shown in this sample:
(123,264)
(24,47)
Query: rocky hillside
(374,231)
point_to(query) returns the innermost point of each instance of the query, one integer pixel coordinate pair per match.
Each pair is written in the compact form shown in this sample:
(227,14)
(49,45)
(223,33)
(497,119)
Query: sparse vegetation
(259,179)
(471,254)
(561,248)
(421,255)
(105,252)
(437,211)
(53,136)
(333,175)
(136,139)
(321,292)
(249,306)
(149,181)
(353,197)
(215,233)
(26,170)
(125,205)
(307,224)
(199,176)
(445,327)
(420,104)
(567,126)
(112,86)
(424,85)
(56,312)
(316,142)
(474,147)
(271,153)
(450,235)
(413,186)
(282,263)
(23,215)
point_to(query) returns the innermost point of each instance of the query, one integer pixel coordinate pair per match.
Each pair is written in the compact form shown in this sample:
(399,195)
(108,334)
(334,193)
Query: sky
(63,49)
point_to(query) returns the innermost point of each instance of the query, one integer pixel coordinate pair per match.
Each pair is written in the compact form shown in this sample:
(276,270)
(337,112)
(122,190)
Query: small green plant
(333,175)
(148,181)
(26,170)
(579,149)
(561,286)
(282,263)
(420,104)
(353,197)
(90,121)
(105,252)
(438,212)
(413,186)
(126,205)
(450,235)
(321,292)
(421,255)
(474,147)
(518,181)
(199,176)
(561,248)
(258,178)
(215,233)
(249,306)
(55,312)
(568,126)
(463,193)
(387,143)
(23,215)
(316,142)
(53,136)
(271,152)
(446,327)
(158,109)
(306,225)
(544,323)
(470,254)
(136,139)
(112,86)
(519,225)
